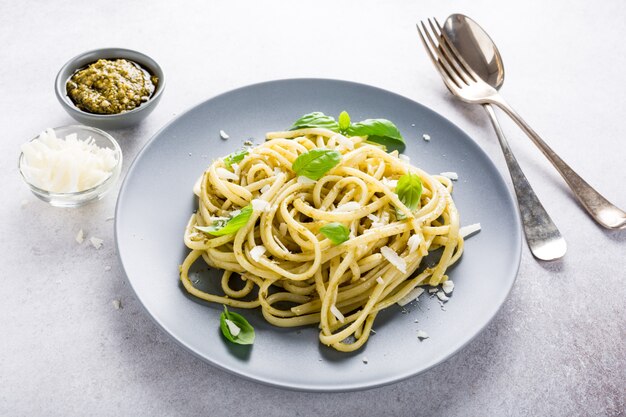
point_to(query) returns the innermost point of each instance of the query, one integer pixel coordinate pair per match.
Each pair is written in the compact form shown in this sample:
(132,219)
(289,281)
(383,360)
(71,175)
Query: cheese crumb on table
(421,335)
(426,137)
(117,304)
(224,135)
(96,242)
(80,236)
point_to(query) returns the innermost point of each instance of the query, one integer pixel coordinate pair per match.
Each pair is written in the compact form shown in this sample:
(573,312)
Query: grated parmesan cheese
(107,268)
(393,258)
(224,135)
(117,304)
(412,295)
(442,296)
(374,218)
(80,236)
(96,242)
(380,281)
(305,180)
(277,171)
(447,286)
(260,205)
(256,252)
(432,290)
(414,242)
(66,165)
(404,157)
(421,335)
(337,313)
(365,360)
(426,137)
(232,327)
(347,207)
(469,230)
(265,188)
(225,174)
(452,175)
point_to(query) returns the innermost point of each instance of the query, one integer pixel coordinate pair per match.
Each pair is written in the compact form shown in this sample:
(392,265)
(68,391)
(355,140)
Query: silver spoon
(468,86)
(475,46)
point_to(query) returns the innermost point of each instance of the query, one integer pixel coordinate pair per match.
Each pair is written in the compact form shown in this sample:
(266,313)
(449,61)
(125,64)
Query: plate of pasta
(314,234)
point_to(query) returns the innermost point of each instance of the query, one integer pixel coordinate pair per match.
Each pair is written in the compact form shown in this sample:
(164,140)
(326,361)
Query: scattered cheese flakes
(107,268)
(469,230)
(426,137)
(376,225)
(374,218)
(414,242)
(96,242)
(224,135)
(257,252)
(117,304)
(260,205)
(337,313)
(452,175)
(421,335)
(277,171)
(365,360)
(432,290)
(442,296)
(265,188)
(305,180)
(248,143)
(404,157)
(80,236)
(236,168)
(412,295)
(393,258)
(447,286)
(232,327)
(225,174)
(108,219)
(413,124)
(351,206)
(390,183)
(282,228)
(232,214)
(380,281)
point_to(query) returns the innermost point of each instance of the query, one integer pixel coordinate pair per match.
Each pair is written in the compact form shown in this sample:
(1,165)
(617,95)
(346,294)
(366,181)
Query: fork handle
(600,209)
(543,237)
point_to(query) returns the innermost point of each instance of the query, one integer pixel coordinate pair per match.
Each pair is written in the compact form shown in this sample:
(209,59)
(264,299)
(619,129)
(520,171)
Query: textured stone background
(557,347)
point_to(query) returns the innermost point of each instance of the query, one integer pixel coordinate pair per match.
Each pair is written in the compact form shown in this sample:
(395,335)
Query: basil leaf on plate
(235,157)
(316,119)
(381,131)
(409,190)
(344,121)
(315,163)
(227,227)
(236,328)
(336,232)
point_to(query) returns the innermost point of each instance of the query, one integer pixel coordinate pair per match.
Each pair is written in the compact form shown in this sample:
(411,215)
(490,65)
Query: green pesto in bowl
(111,86)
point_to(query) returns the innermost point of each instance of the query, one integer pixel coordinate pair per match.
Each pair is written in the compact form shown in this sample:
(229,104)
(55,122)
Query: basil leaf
(344,121)
(227,227)
(380,131)
(336,232)
(246,331)
(235,157)
(315,163)
(409,190)
(316,119)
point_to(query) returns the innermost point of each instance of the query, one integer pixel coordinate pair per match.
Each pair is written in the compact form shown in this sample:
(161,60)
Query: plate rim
(303,387)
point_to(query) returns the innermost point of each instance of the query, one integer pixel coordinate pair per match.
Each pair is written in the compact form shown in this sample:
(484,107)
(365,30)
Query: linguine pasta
(293,272)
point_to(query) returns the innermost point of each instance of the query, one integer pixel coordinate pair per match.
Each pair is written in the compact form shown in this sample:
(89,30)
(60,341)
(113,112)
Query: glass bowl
(75,199)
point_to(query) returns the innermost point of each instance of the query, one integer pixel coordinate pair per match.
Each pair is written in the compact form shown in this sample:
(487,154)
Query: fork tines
(443,54)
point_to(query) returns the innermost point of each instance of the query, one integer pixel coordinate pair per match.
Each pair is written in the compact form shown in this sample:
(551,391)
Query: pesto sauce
(111,86)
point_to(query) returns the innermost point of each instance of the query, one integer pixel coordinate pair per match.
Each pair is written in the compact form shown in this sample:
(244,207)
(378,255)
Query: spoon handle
(600,209)
(543,237)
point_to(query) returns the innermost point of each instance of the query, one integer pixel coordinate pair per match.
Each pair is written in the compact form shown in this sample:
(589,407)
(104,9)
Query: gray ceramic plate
(156,201)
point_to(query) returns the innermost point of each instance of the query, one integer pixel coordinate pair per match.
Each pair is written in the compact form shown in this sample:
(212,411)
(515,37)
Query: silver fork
(543,237)
(464,83)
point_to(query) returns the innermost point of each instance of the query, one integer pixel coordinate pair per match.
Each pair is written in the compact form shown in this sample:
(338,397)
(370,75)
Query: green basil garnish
(336,232)
(409,190)
(227,227)
(246,331)
(380,131)
(316,119)
(235,157)
(344,121)
(315,163)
